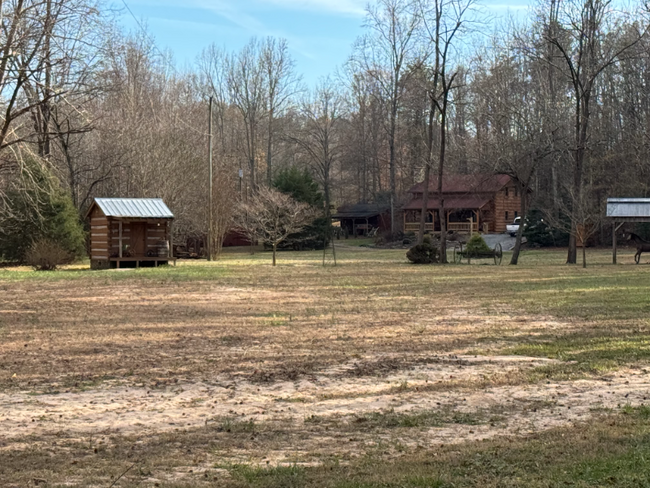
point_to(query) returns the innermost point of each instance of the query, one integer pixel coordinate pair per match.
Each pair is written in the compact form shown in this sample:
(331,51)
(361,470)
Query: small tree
(272,216)
(584,220)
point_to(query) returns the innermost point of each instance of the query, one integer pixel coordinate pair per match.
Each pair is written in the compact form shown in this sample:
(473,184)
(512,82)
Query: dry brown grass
(196,368)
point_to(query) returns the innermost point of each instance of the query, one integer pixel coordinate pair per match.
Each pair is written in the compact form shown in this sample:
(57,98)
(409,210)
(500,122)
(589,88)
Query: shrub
(539,233)
(46,255)
(477,245)
(423,254)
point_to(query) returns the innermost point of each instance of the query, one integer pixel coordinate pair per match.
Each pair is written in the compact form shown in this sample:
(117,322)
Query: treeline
(561,102)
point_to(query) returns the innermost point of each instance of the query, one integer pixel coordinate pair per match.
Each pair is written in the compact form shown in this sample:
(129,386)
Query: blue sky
(320,32)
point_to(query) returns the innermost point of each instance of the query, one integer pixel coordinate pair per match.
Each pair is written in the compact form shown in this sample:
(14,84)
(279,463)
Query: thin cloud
(505,6)
(345,7)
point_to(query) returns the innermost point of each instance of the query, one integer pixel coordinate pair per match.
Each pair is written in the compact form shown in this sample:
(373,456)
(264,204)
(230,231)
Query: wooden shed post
(614,243)
(614,240)
(120,238)
(171,239)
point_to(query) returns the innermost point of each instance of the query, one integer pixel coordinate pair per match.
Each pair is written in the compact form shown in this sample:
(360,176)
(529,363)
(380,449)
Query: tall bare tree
(282,84)
(443,21)
(247,81)
(589,38)
(385,54)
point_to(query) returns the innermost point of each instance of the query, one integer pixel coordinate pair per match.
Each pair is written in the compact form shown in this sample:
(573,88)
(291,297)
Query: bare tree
(282,85)
(247,82)
(320,134)
(385,54)
(589,39)
(443,21)
(585,215)
(273,216)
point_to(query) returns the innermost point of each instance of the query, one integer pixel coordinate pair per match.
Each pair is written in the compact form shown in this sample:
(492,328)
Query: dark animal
(641,246)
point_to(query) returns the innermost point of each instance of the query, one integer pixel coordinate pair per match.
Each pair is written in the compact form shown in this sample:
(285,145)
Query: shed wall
(99,235)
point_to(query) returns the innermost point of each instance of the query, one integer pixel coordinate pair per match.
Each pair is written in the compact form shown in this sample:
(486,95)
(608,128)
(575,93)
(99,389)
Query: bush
(46,255)
(477,245)
(424,253)
(539,233)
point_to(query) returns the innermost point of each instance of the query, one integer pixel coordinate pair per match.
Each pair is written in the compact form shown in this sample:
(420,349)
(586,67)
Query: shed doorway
(139,238)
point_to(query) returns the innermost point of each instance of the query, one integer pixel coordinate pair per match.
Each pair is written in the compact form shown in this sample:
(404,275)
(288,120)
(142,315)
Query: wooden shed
(130,232)
(626,210)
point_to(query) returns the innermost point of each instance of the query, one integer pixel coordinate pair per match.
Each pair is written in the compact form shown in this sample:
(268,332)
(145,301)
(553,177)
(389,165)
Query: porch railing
(463,227)
(415,226)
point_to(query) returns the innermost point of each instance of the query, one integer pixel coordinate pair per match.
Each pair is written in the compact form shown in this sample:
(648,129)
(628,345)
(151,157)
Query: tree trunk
(391,162)
(441,168)
(427,174)
(269,152)
(425,203)
(275,248)
(514,260)
(584,254)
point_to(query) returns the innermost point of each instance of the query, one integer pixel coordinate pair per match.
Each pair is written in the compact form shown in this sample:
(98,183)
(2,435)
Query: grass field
(373,373)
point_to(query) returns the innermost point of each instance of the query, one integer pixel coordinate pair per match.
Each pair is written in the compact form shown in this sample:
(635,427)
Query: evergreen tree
(300,185)
(39,209)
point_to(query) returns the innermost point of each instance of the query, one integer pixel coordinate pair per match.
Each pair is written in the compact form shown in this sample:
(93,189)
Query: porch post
(171,239)
(614,240)
(120,238)
(614,243)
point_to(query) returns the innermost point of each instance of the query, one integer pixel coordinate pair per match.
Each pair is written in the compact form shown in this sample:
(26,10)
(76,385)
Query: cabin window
(506,190)
(516,214)
(516,191)
(507,220)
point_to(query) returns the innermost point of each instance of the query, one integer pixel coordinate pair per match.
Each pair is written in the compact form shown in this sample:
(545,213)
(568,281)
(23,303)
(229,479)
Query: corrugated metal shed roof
(628,207)
(146,208)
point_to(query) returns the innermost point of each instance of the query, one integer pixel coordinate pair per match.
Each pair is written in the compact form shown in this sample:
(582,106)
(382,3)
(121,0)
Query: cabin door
(138,238)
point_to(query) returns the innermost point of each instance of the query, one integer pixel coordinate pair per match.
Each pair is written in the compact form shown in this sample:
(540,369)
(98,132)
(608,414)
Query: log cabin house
(473,203)
(130,232)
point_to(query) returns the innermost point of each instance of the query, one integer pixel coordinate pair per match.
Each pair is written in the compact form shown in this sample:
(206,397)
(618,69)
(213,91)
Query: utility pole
(210,223)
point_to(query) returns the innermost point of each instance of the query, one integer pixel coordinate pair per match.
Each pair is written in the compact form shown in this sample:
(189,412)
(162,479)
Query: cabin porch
(463,221)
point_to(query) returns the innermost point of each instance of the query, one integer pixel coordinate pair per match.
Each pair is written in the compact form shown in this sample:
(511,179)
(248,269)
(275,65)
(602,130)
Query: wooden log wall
(99,236)
(507,204)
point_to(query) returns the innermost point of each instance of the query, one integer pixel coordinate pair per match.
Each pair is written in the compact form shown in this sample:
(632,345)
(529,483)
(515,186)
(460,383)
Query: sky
(320,33)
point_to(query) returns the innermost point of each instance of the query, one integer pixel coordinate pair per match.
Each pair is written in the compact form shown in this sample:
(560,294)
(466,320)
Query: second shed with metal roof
(130,232)
(624,210)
